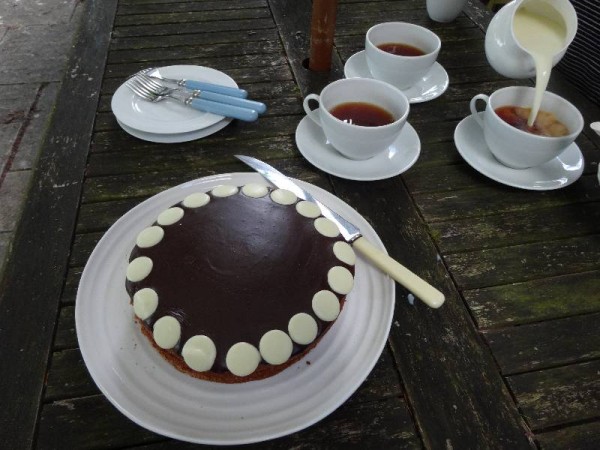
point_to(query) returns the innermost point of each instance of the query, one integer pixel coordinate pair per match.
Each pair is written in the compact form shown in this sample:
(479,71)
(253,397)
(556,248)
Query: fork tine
(140,90)
(151,82)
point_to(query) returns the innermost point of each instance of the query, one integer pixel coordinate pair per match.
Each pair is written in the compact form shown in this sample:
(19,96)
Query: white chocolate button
(242,359)
(326,227)
(167,332)
(145,302)
(225,190)
(275,347)
(170,216)
(139,268)
(303,329)
(199,353)
(283,197)
(255,190)
(340,280)
(326,305)
(308,209)
(344,252)
(149,237)
(196,200)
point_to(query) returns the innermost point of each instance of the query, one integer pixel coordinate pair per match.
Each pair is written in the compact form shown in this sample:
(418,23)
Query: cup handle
(473,106)
(313,114)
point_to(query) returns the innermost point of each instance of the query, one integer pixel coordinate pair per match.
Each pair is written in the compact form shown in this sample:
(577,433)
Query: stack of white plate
(169,121)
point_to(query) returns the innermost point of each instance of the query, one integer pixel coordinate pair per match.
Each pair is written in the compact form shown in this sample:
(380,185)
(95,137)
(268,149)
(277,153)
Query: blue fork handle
(222,109)
(235,101)
(209,87)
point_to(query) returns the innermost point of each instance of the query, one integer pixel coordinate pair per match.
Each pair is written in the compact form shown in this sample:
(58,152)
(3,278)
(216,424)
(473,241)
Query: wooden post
(322,29)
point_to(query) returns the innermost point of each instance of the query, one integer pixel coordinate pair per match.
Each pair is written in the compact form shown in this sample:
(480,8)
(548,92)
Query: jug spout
(506,54)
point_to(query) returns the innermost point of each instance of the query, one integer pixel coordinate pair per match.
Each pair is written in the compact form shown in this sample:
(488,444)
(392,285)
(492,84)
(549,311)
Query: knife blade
(351,233)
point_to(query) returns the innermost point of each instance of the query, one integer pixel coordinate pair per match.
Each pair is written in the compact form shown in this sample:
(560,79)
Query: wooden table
(510,361)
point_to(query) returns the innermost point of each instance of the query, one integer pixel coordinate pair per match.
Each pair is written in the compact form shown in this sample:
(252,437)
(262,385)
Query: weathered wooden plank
(245,64)
(83,245)
(176,158)
(548,344)
(100,216)
(496,266)
(196,39)
(32,283)
(170,29)
(172,7)
(71,284)
(90,422)
(198,17)
(517,227)
(581,437)
(537,300)
(493,198)
(66,336)
(156,56)
(558,396)
(68,377)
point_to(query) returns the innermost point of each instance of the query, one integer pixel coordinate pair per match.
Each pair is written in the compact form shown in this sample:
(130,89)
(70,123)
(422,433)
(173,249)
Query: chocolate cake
(238,283)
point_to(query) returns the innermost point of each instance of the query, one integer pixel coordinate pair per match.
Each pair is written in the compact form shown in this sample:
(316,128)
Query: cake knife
(419,287)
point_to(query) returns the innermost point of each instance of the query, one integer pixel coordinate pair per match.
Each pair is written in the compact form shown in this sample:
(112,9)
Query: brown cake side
(235,268)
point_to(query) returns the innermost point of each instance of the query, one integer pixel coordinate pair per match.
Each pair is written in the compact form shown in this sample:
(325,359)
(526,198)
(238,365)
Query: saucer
(167,116)
(399,157)
(557,173)
(431,86)
(177,137)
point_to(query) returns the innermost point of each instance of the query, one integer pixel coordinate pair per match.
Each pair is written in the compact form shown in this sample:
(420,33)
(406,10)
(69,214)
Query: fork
(156,85)
(146,93)
(202,85)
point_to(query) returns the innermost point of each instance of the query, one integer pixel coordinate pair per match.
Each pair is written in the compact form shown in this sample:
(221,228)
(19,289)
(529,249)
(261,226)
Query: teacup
(520,149)
(356,141)
(398,70)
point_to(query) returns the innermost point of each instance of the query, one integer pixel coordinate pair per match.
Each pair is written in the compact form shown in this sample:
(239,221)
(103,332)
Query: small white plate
(399,157)
(557,173)
(152,393)
(168,116)
(178,137)
(429,87)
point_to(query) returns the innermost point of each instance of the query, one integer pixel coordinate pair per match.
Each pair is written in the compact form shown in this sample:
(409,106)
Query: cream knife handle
(419,287)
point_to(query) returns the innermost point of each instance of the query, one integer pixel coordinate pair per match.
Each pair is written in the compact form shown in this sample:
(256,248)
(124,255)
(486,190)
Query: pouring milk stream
(528,37)
(541,31)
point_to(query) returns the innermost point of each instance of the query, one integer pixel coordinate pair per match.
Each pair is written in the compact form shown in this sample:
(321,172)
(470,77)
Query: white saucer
(178,137)
(557,173)
(429,87)
(399,157)
(168,117)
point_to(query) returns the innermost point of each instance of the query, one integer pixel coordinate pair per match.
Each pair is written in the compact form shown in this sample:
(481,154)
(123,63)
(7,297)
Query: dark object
(322,29)
(398,48)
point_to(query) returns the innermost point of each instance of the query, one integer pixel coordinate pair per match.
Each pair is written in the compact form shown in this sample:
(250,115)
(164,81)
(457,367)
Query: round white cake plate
(398,158)
(431,86)
(562,171)
(178,137)
(152,393)
(168,116)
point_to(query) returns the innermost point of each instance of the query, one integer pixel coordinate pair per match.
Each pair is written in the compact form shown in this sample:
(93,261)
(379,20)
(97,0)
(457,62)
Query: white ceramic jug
(503,51)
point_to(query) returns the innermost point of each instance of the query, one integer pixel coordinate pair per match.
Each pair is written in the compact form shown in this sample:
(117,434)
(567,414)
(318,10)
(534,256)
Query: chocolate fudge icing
(236,268)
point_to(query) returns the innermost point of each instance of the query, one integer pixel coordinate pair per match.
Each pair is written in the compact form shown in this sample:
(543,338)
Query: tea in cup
(360,117)
(512,141)
(401,53)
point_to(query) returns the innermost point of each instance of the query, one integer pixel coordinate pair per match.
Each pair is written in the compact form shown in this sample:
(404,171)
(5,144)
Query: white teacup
(444,10)
(401,71)
(355,141)
(520,149)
